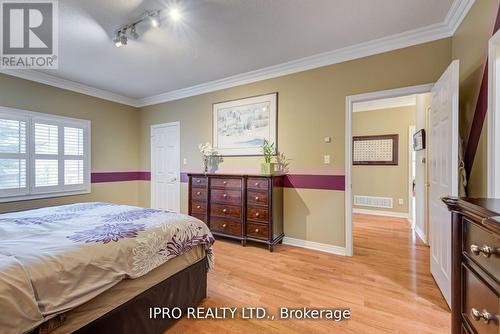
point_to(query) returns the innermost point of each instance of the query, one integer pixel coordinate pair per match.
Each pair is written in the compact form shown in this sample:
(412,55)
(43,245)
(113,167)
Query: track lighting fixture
(153,18)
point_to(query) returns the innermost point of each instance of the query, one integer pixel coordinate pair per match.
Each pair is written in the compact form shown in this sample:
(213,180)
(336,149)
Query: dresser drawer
(225,196)
(199,207)
(258,214)
(199,195)
(257,198)
(479,300)
(225,226)
(225,211)
(225,183)
(482,247)
(199,181)
(259,231)
(257,183)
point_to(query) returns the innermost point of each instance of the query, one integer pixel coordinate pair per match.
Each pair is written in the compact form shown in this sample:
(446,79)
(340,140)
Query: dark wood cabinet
(242,207)
(475,299)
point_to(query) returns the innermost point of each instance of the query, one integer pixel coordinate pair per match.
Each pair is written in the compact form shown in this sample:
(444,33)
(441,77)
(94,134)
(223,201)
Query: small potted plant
(267,167)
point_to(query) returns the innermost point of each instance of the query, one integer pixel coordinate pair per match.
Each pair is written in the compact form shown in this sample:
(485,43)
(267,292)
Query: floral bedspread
(54,259)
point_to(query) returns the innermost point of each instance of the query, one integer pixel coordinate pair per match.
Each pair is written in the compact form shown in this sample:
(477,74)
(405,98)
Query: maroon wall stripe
(479,114)
(101,177)
(328,182)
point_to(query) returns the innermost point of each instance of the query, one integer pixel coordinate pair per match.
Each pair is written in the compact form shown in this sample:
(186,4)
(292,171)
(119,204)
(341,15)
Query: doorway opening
(440,167)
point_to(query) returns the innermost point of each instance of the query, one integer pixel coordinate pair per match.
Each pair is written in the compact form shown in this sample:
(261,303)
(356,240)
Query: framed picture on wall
(375,150)
(240,126)
(419,140)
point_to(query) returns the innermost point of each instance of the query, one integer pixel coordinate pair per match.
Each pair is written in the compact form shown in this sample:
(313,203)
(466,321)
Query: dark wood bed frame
(186,288)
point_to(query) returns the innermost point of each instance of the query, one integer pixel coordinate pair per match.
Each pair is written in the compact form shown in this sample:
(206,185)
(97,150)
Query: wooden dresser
(475,301)
(242,207)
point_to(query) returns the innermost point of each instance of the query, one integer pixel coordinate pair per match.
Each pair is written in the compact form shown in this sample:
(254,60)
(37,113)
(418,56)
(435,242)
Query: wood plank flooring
(386,284)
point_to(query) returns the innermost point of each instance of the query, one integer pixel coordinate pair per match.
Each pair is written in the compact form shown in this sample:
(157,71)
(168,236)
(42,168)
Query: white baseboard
(421,234)
(381,213)
(315,245)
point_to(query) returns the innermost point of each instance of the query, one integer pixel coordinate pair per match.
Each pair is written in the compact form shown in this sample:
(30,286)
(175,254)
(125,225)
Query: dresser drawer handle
(224,210)
(485,315)
(198,193)
(485,250)
(198,181)
(257,184)
(198,207)
(256,198)
(256,230)
(225,195)
(224,182)
(224,225)
(257,214)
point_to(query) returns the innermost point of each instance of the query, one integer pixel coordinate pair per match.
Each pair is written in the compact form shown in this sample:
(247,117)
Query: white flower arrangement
(207,150)
(210,157)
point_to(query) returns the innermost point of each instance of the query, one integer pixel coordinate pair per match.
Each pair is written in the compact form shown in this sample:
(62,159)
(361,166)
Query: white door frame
(350,100)
(155,126)
(493,179)
(411,208)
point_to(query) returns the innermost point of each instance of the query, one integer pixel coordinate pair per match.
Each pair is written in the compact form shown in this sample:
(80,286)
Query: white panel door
(443,173)
(165,167)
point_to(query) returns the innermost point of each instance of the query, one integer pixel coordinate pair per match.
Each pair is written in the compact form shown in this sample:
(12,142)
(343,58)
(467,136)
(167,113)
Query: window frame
(31,192)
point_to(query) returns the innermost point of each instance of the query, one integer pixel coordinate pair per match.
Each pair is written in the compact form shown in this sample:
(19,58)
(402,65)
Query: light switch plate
(185,161)
(401,201)
(328,139)
(327,159)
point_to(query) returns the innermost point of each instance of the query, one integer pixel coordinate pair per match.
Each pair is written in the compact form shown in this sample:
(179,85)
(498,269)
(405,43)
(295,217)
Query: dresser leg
(243,243)
(271,248)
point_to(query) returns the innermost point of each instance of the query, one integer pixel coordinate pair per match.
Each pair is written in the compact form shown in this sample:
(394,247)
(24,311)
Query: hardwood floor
(386,284)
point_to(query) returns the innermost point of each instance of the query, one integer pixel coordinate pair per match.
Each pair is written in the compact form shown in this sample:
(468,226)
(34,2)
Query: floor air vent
(374,202)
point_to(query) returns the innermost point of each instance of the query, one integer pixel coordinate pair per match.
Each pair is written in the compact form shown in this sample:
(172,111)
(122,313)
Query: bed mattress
(55,259)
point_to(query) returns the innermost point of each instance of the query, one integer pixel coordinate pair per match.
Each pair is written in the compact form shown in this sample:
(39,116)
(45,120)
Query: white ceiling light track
(151,18)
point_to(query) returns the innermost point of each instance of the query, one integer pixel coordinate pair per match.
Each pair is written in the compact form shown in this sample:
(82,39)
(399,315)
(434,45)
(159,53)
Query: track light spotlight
(120,39)
(133,33)
(154,21)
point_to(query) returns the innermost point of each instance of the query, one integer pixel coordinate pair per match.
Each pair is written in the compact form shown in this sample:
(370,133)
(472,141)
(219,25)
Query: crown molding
(54,81)
(445,29)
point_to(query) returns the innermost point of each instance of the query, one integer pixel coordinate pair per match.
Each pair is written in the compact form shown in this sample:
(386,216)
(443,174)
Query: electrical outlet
(327,159)
(185,161)
(401,201)
(328,139)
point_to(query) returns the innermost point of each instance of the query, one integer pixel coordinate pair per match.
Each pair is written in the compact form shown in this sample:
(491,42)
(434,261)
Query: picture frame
(419,140)
(379,150)
(240,126)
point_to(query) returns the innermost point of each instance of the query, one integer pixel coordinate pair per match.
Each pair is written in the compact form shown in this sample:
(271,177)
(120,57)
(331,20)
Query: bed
(91,267)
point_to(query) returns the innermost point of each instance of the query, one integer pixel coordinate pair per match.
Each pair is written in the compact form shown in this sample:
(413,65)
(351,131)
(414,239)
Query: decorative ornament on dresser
(210,158)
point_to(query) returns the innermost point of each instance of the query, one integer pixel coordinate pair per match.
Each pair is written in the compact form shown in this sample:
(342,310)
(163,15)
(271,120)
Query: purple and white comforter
(54,259)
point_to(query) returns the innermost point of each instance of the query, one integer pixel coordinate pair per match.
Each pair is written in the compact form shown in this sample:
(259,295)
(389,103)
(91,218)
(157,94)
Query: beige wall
(311,106)
(470,46)
(114,132)
(384,181)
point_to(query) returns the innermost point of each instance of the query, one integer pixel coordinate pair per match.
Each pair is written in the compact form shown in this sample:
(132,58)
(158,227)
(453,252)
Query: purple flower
(131,215)
(83,206)
(39,220)
(108,232)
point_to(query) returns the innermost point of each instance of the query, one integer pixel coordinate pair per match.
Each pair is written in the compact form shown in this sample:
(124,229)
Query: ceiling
(217,39)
